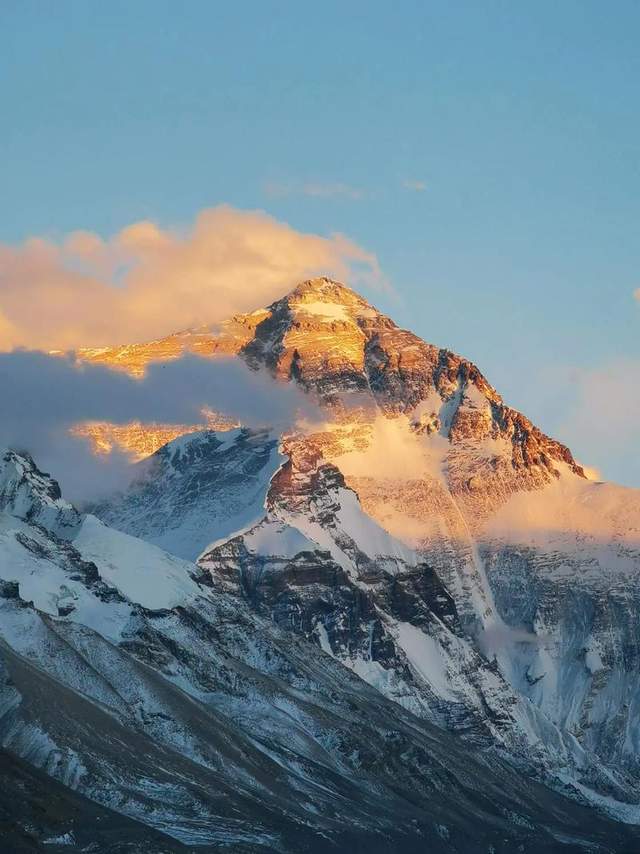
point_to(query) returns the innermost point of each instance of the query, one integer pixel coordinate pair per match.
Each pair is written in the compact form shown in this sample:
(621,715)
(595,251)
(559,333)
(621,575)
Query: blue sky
(487,153)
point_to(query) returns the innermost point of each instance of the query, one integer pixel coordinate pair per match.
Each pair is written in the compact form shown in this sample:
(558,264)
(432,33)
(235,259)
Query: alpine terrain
(409,625)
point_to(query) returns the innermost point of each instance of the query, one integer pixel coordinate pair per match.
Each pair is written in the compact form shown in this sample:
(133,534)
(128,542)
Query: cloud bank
(146,281)
(44,396)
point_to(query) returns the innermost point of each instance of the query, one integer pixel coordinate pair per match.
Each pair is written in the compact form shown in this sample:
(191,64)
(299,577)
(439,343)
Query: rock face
(318,565)
(142,691)
(428,537)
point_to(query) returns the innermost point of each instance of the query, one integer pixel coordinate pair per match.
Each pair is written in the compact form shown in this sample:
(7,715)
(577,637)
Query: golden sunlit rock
(225,340)
(140,440)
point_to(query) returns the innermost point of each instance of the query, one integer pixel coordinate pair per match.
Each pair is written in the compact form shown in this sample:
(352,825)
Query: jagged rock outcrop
(27,492)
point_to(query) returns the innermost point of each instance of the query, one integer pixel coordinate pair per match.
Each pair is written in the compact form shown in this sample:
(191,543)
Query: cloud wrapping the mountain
(44,396)
(394,450)
(146,282)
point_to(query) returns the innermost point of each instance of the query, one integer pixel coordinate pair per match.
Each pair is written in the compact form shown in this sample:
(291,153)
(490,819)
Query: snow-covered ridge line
(252,523)
(40,532)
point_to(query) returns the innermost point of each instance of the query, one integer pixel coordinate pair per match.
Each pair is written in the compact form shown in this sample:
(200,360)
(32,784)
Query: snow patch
(425,657)
(140,571)
(277,538)
(326,311)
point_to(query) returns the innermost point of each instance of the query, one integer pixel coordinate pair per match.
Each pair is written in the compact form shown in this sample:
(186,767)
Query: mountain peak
(325,298)
(330,340)
(326,289)
(322,285)
(317,334)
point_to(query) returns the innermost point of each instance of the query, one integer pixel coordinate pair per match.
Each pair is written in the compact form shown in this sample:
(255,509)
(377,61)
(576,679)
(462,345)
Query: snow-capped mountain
(156,700)
(427,536)
(410,627)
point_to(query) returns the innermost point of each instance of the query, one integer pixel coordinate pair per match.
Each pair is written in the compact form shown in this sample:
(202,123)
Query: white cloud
(146,281)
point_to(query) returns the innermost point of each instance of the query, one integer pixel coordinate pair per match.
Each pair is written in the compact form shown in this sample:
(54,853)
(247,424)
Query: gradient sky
(487,153)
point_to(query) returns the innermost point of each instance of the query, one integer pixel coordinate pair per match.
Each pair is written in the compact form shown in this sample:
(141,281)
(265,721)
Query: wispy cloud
(147,281)
(314,189)
(415,186)
(326,191)
(278,189)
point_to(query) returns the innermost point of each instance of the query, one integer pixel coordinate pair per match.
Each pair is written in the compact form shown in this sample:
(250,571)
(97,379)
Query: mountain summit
(328,339)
